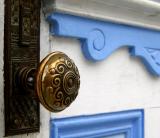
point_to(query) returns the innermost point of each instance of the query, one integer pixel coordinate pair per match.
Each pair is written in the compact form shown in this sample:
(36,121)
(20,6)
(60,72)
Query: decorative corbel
(99,38)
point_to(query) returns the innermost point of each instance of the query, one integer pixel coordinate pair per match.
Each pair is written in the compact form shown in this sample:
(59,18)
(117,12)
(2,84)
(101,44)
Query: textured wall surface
(117,83)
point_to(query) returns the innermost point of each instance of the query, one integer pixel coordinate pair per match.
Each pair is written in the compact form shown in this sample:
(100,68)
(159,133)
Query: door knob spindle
(56,81)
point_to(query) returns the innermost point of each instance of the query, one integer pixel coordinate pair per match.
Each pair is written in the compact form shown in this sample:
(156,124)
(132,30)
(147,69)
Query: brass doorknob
(56,81)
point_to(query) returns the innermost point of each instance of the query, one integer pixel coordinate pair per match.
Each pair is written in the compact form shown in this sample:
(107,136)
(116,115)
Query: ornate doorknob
(56,81)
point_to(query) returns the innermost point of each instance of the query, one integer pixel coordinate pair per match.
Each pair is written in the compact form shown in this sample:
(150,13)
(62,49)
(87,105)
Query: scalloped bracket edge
(100,38)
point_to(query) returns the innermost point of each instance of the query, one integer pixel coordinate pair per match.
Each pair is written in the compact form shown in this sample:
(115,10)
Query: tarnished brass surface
(21,50)
(57,82)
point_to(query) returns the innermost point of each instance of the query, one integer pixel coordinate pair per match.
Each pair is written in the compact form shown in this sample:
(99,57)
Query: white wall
(117,83)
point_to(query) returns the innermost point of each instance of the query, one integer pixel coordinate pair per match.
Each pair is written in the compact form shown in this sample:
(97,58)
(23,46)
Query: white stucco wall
(117,83)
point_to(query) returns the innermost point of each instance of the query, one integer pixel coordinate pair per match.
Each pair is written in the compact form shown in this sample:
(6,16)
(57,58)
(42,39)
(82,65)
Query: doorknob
(56,81)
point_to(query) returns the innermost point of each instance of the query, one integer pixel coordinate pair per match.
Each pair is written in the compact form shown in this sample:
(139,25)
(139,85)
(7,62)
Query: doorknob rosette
(57,81)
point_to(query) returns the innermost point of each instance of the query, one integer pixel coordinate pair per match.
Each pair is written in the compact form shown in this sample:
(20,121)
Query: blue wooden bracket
(101,38)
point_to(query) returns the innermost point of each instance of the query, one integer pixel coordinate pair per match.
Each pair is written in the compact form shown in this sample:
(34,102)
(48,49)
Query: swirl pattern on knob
(59,82)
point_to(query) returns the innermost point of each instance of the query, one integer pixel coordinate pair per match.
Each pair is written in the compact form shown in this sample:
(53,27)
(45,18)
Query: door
(114,85)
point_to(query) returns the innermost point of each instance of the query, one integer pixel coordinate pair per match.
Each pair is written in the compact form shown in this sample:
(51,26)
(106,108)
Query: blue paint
(100,39)
(116,136)
(129,123)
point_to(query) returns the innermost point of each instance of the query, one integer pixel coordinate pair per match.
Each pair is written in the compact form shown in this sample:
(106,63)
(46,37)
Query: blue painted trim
(130,123)
(100,39)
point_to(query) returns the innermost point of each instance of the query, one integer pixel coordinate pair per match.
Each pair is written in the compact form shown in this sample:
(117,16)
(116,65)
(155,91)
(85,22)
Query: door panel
(116,84)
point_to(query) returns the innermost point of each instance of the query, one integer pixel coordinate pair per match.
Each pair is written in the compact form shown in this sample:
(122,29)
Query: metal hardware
(57,81)
(55,84)
(21,49)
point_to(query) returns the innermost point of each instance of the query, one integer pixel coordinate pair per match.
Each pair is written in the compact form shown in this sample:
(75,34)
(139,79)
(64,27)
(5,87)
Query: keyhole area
(70,82)
(30,81)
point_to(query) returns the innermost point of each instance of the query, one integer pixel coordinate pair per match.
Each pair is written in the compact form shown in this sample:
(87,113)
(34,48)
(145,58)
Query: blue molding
(101,38)
(130,123)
